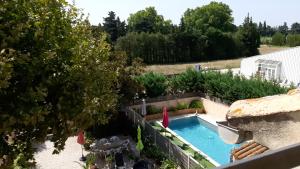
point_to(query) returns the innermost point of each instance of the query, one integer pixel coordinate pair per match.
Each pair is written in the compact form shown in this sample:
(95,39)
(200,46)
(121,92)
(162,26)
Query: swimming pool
(204,137)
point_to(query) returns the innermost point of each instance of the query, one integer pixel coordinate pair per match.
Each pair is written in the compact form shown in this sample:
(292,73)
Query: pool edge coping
(188,143)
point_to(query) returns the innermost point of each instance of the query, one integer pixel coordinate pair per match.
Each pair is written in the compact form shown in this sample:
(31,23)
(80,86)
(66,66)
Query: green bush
(181,106)
(230,88)
(168,164)
(189,81)
(278,39)
(154,83)
(184,146)
(152,151)
(225,86)
(196,104)
(90,159)
(293,40)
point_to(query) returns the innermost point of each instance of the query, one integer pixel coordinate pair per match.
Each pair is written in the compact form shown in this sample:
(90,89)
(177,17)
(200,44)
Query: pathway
(66,159)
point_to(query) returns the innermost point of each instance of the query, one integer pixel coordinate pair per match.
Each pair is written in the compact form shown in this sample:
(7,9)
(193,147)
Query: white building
(283,66)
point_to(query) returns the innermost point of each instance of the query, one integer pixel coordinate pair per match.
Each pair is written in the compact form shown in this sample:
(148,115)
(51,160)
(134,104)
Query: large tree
(149,21)
(295,28)
(216,15)
(249,36)
(113,26)
(283,29)
(215,23)
(55,76)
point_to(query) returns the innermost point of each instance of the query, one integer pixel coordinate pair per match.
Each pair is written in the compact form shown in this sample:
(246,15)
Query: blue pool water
(203,136)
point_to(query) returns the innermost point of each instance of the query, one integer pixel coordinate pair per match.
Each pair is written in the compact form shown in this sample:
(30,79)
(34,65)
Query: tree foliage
(154,83)
(225,86)
(266,30)
(278,39)
(55,77)
(148,21)
(113,26)
(295,28)
(215,23)
(283,29)
(205,33)
(293,40)
(249,36)
(215,15)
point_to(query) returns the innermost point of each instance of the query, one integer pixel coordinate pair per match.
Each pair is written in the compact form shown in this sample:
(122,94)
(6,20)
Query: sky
(274,12)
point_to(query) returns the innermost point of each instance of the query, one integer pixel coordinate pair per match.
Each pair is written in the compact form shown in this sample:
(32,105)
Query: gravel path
(66,159)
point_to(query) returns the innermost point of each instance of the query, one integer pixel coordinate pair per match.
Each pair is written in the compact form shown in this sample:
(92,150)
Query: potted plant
(109,160)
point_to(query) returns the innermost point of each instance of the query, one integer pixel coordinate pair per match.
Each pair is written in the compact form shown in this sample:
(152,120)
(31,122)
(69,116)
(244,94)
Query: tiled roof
(247,150)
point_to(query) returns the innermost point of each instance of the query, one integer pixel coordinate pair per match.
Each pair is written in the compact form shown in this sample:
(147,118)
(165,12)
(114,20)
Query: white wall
(290,68)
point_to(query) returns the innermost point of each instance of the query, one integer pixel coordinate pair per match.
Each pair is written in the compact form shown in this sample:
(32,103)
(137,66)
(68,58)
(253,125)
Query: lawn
(220,64)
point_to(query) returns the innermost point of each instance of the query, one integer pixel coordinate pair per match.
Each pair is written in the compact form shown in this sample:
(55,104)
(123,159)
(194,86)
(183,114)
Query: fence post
(188,167)
(154,137)
(169,147)
(133,118)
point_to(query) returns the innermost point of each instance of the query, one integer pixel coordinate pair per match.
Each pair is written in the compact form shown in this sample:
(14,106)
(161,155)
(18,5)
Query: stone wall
(274,121)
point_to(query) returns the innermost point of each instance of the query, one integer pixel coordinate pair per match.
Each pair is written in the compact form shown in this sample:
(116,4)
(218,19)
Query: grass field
(220,64)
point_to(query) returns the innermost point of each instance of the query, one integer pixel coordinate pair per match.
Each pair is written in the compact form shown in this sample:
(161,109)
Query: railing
(173,151)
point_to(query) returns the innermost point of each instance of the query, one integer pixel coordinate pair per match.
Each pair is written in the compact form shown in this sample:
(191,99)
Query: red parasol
(165,117)
(81,141)
(80,138)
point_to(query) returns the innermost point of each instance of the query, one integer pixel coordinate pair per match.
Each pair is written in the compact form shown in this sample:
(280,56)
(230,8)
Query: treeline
(282,35)
(205,33)
(280,39)
(225,86)
(157,48)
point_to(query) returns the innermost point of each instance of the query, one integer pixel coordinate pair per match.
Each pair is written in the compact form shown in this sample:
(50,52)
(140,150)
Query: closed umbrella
(139,145)
(144,111)
(165,121)
(165,117)
(81,141)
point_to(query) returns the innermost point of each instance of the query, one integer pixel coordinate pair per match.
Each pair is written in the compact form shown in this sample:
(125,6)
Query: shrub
(90,159)
(184,146)
(225,86)
(189,81)
(278,39)
(230,88)
(168,164)
(196,104)
(152,151)
(181,106)
(293,40)
(154,83)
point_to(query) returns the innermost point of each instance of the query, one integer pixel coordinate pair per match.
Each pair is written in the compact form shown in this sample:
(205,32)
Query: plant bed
(174,113)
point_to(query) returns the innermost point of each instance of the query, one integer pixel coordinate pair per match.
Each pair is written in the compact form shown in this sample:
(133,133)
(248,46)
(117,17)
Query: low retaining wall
(169,103)
(171,97)
(175,113)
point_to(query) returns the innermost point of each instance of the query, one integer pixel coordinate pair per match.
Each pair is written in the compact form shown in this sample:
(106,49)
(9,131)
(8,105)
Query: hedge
(225,86)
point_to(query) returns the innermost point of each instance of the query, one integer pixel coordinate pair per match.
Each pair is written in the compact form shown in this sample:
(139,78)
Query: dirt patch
(220,64)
